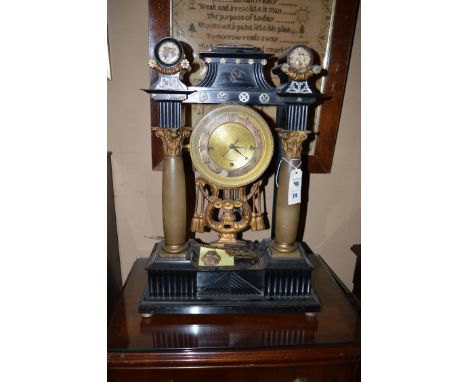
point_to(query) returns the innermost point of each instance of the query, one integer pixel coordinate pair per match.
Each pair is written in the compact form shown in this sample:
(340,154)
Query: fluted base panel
(263,284)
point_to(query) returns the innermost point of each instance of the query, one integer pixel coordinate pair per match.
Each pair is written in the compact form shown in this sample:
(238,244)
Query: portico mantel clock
(230,148)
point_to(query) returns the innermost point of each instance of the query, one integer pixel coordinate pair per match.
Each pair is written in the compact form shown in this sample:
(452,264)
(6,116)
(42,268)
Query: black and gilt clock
(230,148)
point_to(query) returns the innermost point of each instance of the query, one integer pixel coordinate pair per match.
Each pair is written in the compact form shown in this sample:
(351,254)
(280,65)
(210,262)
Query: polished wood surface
(237,347)
(341,41)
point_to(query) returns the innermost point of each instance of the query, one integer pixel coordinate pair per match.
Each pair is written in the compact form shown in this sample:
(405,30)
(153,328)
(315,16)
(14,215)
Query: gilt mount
(291,142)
(172,139)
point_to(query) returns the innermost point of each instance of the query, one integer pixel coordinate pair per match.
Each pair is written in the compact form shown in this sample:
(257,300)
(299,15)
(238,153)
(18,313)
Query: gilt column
(173,189)
(287,216)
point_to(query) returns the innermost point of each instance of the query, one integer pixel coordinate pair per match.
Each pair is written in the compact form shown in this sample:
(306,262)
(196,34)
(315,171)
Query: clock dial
(300,59)
(231,146)
(168,52)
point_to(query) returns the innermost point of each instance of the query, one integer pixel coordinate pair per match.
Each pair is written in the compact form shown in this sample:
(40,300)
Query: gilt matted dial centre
(231,146)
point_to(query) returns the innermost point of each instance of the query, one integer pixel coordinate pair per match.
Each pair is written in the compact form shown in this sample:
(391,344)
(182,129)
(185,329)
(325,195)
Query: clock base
(251,285)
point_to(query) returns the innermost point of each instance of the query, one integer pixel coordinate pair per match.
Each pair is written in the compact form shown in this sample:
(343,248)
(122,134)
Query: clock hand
(240,152)
(233,146)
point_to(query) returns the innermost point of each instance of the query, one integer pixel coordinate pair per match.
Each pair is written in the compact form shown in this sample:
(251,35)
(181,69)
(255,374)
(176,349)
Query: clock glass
(168,52)
(231,146)
(299,59)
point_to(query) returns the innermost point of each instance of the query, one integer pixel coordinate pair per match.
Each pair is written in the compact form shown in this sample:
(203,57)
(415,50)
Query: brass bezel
(256,171)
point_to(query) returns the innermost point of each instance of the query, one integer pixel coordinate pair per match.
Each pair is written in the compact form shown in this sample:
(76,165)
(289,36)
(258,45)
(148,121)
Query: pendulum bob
(287,216)
(228,211)
(173,191)
(227,226)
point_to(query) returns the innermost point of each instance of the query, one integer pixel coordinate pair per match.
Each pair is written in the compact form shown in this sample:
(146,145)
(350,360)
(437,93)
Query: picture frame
(339,46)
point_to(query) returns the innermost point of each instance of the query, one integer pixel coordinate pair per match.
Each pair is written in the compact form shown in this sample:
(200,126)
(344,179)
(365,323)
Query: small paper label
(295,185)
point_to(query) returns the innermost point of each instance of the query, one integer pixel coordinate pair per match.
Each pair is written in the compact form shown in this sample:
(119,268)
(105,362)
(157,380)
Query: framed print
(327,26)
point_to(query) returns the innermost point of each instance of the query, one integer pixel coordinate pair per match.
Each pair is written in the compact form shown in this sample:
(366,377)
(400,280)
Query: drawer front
(336,372)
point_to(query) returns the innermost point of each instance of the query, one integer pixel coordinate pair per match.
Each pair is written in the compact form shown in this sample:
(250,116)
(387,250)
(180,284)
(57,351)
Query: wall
(333,220)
